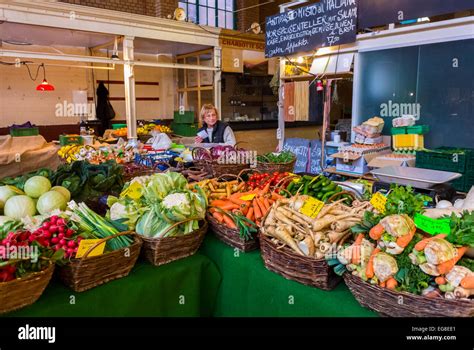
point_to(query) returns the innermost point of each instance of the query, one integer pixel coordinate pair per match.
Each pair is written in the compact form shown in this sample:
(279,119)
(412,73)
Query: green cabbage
(6,192)
(36,186)
(50,201)
(18,207)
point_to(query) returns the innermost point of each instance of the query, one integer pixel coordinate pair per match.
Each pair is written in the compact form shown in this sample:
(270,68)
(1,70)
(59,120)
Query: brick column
(165,7)
(247,17)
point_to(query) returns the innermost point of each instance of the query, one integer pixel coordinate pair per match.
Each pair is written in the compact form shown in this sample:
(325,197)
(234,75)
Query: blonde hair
(208,107)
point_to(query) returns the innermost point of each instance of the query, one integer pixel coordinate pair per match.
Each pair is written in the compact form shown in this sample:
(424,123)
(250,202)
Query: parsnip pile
(308,236)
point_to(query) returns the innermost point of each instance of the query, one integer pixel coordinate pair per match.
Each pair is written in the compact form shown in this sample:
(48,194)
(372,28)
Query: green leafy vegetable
(411,278)
(282,157)
(462,229)
(403,200)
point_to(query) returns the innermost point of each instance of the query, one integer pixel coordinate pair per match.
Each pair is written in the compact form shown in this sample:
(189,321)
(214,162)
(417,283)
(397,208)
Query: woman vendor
(213,130)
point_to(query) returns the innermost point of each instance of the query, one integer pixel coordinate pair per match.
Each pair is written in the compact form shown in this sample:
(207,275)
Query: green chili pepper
(305,190)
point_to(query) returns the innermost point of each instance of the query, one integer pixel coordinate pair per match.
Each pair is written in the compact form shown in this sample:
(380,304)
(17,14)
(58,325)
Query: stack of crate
(458,160)
(409,138)
(184,124)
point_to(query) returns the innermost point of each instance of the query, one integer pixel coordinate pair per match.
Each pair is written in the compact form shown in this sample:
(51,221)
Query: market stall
(377,225)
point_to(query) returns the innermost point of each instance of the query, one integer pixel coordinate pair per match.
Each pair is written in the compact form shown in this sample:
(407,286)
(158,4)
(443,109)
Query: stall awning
(332,64)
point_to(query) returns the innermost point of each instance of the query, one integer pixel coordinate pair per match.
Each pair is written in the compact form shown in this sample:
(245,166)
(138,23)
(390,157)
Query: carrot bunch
(253,205)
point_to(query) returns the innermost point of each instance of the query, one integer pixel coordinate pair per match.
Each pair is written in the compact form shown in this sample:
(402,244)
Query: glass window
(432,82)
(210,12)
(202,15)
(221,23)
(211,17)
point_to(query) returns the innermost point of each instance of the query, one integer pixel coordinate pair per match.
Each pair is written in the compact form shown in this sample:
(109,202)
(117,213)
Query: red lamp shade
(45,86)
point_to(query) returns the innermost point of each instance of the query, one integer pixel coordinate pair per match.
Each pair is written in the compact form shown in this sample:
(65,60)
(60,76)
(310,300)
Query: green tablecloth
(217,281)
(186,287)
(249,289)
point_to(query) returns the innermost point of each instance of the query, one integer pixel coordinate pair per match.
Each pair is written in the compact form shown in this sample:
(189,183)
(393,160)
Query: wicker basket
(160,251)
(145,171)
(302,269)
(400,304)
(276,167)
(86,273)
(214,167)
(231,237)
(24,291)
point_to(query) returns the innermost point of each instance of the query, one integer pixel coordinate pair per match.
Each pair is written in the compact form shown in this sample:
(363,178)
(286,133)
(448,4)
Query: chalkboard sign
(376,13)
(300,147)
(326,23)
(315,157)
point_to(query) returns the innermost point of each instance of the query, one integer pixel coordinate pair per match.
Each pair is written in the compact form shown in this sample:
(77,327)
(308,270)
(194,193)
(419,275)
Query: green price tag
(432,226)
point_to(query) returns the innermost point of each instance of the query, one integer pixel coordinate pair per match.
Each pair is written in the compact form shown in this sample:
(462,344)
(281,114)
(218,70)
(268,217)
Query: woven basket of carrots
(235,219)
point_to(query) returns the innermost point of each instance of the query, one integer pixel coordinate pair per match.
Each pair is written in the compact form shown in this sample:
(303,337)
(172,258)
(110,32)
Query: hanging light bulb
(44,86)
(115,55)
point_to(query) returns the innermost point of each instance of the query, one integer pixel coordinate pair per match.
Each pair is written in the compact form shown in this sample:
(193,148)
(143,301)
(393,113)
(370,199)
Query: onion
(444,204)
(459,203)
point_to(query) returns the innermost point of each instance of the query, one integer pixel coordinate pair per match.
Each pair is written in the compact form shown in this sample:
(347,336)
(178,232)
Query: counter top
(266,124)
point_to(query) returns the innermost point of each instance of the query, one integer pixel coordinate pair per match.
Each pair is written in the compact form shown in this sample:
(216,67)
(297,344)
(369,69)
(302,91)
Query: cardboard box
(381,162)
(355,163)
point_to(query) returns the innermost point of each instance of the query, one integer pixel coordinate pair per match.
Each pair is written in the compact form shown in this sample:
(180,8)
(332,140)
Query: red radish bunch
(7,273)
(17,239)
(56,233)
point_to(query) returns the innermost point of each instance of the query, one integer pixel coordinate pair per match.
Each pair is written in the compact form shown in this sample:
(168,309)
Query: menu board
(376,13)
(326,23)
(300,148)
(315,157)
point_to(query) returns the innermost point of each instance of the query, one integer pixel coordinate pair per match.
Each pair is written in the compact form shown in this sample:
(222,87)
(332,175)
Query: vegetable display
(404,200)
(307,236)
(282,157)
(258,180)
(121,153)
(151,205)
(244,210)
(40,198)
(87,181)
(19,181)
(319,187)
(389,252)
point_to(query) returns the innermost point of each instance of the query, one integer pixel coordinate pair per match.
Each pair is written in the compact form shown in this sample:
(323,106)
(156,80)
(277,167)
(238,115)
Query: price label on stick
(432,226)
(379,201)
(86,244)
(134,191)
(311,207)
(248,197)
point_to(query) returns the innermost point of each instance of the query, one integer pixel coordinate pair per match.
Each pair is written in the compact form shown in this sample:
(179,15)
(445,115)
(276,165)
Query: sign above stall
(377,13)
(326,23)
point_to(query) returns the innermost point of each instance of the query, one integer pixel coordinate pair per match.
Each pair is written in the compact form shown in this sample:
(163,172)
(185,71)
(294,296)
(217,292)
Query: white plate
(415,177)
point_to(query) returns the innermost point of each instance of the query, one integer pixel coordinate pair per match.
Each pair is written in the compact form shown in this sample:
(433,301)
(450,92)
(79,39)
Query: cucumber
(329,188)
(327,195)
(319,195)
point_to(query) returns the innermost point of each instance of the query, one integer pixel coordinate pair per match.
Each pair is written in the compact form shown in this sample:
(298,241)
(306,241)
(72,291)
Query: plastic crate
(24,132)
(118,126)
(65,140)
(418,129)
(464,183)
(399,131)
(184,129)
(408,142)
(444,158)
(186,117)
